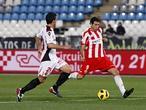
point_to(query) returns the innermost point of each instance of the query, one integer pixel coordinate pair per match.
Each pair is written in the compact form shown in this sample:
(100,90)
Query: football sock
(73,75)
(62,78)
(120,84)
(32,84)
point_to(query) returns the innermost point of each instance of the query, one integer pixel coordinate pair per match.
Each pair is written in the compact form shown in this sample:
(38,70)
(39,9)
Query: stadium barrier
(129,62)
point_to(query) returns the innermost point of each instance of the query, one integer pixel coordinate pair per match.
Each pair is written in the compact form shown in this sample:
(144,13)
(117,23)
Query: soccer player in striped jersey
(48,58)
(94,57)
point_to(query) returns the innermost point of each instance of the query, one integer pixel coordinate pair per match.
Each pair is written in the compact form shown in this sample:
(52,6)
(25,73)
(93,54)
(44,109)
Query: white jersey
(49,59)
(48,36)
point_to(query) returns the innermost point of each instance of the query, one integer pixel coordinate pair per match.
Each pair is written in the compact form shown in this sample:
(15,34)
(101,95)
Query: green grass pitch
(77,94)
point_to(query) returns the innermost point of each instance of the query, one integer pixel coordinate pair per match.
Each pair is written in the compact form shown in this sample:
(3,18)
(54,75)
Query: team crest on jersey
(96,41)
(49,33)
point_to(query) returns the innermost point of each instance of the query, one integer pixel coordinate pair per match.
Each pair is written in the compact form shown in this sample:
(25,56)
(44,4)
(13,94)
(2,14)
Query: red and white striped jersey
(93,42)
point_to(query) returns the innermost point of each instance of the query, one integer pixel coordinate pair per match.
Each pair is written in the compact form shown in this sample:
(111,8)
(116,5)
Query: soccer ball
(103,94)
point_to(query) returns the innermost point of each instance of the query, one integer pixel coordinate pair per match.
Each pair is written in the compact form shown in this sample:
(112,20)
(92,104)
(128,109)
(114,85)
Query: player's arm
(56,46)
(82,50)
(103,38)
(38,43)
(83,45)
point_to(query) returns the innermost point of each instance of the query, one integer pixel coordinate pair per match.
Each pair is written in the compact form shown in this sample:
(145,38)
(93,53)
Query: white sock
(120,84)
(73,75)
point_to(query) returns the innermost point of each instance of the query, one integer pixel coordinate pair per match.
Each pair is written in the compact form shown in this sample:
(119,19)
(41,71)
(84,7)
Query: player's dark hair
(50,17)
(93,19)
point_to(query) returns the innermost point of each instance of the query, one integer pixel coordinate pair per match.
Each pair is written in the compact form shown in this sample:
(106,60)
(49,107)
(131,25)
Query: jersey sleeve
(84,38)
(40,34)
(101,30)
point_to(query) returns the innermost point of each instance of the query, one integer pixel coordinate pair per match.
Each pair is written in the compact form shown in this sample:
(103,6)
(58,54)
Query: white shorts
(46,67)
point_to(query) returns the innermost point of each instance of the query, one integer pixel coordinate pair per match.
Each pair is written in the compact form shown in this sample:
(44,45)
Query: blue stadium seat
(23,9)
(88,9)
(71,17)
(1,16)
(106,16)
(72,9)
(49,2)
(139,16)
(140,8)
(64,9)
(56,9)
(25,2)
(65,2)
(90,2)
(57,2)
(30,16)
(98,3)
(33,2)
(32,9)
(39,16)
(79,17)
(40,9)
(41,2)
(145,3)
(114,16)
(15,16)
(23,16)
(80,9)
(131,16)
(48,9)
(7,16)
(81,2)
(123,16)
(144,17)
(63,16)
(73,2)
(16,9)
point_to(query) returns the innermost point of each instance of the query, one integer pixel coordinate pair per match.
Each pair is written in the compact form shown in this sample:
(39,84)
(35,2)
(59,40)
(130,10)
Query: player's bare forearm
(38,43)
(56,46)
(82,50)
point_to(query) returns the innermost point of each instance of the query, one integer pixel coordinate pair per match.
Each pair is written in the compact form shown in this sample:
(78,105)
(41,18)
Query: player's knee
(114,71)
(41,79)
(68,69)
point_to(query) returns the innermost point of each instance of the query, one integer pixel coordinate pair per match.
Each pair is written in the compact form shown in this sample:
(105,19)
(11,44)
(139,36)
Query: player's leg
(63,77)
(31,85)
(118,80)
(43,72)
(81,74)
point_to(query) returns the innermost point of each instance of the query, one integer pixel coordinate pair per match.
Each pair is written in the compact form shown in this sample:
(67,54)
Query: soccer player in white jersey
(48,58)
(94,56)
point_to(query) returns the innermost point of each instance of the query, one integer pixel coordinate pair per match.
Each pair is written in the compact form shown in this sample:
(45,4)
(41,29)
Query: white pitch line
(8,102)
(81,100)
(139,98)
(108,99)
